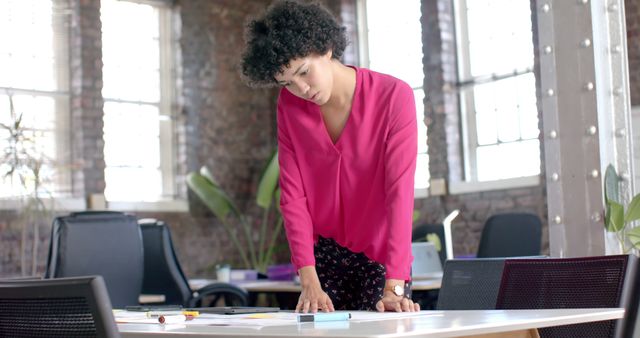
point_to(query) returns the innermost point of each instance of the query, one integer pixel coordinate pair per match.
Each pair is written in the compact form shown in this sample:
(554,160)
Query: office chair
(163,274)
(108,244)
(470,284)
(61,307)
(553,283)
(509,235)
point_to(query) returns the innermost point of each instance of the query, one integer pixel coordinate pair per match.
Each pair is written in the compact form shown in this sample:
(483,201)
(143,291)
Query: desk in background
(286,292)
(289,286)
(433,324)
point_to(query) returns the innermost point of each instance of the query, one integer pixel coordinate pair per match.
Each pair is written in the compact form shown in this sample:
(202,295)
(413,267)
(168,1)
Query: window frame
(468,125)
(364,59)
(60,45)
(167,111)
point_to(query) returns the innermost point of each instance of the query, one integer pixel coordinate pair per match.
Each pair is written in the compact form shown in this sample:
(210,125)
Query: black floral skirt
(352,280)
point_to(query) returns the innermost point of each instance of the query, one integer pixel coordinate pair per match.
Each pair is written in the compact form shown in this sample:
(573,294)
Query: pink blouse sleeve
(293,200)
(400,166)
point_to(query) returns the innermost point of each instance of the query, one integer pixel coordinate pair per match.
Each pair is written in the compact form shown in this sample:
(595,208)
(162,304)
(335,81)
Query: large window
(393,45)
(497,89)
(138,95)
(34,80)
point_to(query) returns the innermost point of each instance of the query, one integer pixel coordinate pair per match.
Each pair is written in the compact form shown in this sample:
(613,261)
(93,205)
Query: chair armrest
(232,294)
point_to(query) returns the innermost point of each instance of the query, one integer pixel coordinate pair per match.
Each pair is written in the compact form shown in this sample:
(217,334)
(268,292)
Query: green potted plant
(256,253)
(618,219)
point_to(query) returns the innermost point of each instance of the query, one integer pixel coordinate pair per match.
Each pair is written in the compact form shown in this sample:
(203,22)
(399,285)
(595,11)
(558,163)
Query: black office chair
(108,244)
(555,283)
(470,284)
(511,235)
(62,307)
(420,233)
(163,274)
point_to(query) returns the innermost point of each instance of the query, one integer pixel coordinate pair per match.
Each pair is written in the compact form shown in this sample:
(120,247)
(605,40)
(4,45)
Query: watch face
(398,290)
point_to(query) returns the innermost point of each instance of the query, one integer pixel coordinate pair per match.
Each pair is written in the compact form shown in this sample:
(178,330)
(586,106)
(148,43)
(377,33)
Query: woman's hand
(392,302)
(312,298)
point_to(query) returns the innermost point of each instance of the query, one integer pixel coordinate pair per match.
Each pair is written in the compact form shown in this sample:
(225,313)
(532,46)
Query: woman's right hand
(312,298)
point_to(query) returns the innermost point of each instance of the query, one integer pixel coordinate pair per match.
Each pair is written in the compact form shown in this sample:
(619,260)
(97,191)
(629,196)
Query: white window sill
(157,206)
(456,188)
(58,204)
(421,193)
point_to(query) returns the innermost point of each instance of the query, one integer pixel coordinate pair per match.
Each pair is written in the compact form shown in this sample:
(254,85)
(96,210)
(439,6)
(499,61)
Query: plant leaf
(634,237)
(277,198)
(206,173)
(611,185)
(212,196)
(416,215)
(268,182)
(616,216)
(633,210)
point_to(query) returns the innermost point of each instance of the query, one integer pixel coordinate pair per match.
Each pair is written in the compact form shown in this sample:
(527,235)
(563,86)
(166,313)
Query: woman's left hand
(391,302)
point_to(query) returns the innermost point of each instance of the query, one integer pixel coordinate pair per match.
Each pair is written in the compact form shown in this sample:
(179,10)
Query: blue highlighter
(323,317)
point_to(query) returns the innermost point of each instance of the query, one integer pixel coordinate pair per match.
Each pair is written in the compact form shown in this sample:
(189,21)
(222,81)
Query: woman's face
(309,78)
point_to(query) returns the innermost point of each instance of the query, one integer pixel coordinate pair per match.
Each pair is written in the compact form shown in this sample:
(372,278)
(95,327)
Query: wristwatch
(397,290)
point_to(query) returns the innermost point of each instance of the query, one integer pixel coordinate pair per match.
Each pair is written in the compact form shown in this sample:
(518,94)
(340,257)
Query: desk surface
(290,286)
(429,324)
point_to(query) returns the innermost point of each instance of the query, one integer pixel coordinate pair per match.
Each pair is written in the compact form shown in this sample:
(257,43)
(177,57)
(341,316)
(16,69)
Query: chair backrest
(64,307)
(470,284)
(586,282)
(108,244)
(162,272)
(420,233)
(509,235)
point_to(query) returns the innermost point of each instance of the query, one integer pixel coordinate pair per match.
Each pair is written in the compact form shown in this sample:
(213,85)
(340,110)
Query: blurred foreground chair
(108,244)
(62,307)
(163,274)
(510,235)
(554,283)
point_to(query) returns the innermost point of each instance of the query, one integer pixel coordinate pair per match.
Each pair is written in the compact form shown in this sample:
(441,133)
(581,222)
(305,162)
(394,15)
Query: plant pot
(612,243)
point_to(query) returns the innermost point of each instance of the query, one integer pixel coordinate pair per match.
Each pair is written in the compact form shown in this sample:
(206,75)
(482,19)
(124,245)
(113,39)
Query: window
(393,45)
(497,89)
(34,78)
(138,95)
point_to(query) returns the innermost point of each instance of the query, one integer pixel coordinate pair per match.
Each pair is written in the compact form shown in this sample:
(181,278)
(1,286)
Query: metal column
(578,104)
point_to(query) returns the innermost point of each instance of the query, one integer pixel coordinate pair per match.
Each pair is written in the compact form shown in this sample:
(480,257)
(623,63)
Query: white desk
(290,286)
(432,324)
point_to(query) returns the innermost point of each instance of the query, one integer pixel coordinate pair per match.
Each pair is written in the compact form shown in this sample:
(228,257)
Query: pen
(323,317)
(170,319)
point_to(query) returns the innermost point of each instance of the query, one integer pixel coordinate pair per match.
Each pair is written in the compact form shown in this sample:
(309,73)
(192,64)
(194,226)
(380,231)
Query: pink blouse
(358,191)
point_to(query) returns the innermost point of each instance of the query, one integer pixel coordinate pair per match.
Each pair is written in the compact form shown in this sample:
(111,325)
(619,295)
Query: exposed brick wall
(632,13)
(86,98)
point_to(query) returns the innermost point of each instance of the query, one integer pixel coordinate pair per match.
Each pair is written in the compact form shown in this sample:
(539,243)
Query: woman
(347,143)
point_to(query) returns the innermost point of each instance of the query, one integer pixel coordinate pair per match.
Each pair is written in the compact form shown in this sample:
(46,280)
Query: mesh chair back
(587,282)
(420,233)
(108,244)
(509,235)
(162,272)
(65,308)
(470,284)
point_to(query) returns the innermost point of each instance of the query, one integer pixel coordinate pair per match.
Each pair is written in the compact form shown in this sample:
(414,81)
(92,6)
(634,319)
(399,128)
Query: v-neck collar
(354,102)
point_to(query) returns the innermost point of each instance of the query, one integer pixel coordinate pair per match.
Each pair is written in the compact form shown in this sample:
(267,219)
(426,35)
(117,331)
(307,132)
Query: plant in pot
(256,252)
(618,218)
(25,167)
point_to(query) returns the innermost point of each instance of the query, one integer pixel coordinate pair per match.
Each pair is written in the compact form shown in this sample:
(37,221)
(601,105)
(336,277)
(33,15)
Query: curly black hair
(288,30)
